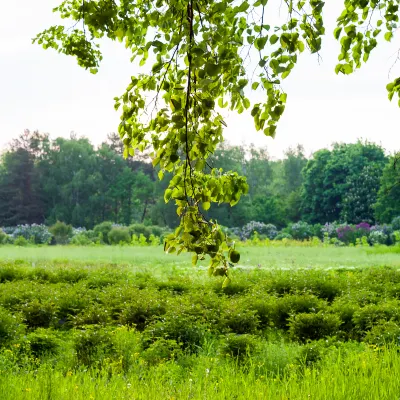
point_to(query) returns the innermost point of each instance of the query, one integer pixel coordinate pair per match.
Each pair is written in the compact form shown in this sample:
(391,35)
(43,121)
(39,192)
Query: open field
(260,257)
(132,323)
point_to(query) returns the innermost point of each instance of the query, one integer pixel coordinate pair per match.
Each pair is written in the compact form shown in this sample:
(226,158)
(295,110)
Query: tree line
(44,181)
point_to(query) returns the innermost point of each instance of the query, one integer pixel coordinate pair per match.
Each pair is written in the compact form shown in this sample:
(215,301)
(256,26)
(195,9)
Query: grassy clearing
(122,327)
(154,257)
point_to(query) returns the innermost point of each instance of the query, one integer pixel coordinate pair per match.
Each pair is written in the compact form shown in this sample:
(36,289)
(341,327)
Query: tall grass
(370,375)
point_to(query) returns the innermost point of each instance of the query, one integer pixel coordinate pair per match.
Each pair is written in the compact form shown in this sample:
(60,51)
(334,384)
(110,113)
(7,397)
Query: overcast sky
(45,91)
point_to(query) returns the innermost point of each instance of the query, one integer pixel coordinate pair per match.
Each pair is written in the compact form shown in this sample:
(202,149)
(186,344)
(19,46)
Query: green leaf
(212,69)
(273,39)
(206,205)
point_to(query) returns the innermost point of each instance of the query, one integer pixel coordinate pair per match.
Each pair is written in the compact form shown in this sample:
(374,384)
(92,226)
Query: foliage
(313,326)
(21,241)
(239,346)
(11,327)
(43,342)
(396,223)
(61,232)
(119,235)
(37,234)
(342,184)
(268,230)
(3,237)
(387,206)
(102,230)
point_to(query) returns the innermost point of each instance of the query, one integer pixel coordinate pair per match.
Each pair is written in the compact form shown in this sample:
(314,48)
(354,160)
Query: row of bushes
(335,233)
(139,234)
(104,233)
(306,305)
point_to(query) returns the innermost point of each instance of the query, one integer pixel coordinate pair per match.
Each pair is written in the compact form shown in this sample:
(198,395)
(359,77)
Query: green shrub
(239,346)
(187,331)
(345,309)
(9,274)
(141,309)
(304,326)
(102,230)
(162,350)
(43,342)
(93,345)
(3,237)
(236,317)
(81,240)
(310,354)
(365,318)
(11,327)
(118,236)
(384,333)
(61,232)
(21,241)
(92,314)
(39,313)
(140,229)
(289,305)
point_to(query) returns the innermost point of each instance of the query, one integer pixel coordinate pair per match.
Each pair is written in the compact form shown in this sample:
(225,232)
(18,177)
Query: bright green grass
(368,375)
(259,257)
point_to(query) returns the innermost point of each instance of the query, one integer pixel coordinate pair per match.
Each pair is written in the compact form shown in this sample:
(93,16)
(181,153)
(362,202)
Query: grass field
(154,257)
(133,323)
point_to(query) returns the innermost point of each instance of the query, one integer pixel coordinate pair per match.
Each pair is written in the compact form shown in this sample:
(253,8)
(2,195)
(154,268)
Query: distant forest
(69,180)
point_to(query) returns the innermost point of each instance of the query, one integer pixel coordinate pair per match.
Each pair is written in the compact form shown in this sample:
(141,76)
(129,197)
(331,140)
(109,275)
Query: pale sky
(45,91)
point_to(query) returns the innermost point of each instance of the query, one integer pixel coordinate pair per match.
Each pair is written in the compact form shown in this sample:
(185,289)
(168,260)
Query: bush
(187,331)
(384,333)
(264,230)
(61,232)
(81,240)
(11,327)
(237,318)
(43,342)
(93,345)
(293,304)
(162,350)
(3,237)
(140,229)
(37,234)
(301,230)
(238,346)
(39,314)
(346,234)
(304,326)
(102,230)
(284,235)
(92,314)
(396,223)
(118,236)
(142,308)
(21,241)
(370,315)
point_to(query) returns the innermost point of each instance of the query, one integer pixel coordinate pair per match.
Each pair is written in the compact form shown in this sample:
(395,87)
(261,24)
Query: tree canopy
(200,51)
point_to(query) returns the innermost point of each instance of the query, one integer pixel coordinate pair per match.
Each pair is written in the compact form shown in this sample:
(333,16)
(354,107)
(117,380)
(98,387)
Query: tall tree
(336,181)
(20,199)
(387,206)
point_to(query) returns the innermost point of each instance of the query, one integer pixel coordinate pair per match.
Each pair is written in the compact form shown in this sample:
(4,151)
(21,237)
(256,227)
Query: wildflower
(69,373)
(28,389)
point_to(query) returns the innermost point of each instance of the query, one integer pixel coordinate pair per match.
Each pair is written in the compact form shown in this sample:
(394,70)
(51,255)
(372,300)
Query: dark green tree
(387,206)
